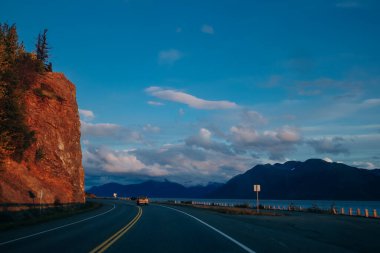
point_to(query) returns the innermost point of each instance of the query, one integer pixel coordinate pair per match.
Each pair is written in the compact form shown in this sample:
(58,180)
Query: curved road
(121,226)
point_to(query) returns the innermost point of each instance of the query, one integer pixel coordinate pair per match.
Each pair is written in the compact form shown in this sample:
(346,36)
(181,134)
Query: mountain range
(155,189)
(312,179)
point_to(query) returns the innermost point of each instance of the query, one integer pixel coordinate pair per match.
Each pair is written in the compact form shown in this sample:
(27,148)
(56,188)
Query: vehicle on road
(142,201)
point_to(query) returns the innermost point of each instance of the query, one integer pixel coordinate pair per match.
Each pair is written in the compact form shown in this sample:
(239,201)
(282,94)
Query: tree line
(13,53)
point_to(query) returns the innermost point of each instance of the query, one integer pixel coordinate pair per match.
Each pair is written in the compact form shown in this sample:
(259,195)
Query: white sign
(257,188)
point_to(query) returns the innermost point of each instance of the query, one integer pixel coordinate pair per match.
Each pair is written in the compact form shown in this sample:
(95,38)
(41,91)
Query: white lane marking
(215,229)
(56,228)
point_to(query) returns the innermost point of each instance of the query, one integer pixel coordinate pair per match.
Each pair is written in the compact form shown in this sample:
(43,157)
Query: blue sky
(199,91)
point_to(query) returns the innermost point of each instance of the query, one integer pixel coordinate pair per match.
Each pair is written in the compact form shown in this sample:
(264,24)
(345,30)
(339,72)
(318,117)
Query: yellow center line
(107,243)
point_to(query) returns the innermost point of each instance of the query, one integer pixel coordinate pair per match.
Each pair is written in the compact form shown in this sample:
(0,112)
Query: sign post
(257,188)
(41,195)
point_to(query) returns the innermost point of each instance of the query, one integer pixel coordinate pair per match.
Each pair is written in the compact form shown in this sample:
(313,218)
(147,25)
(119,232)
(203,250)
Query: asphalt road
(120,226)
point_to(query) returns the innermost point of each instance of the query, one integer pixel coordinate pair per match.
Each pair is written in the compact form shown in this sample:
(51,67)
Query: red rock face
(52,165)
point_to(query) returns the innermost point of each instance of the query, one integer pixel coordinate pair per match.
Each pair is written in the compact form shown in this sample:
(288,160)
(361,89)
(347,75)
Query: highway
(121,226)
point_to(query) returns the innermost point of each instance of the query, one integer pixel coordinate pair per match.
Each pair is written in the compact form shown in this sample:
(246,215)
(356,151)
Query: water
(322,204)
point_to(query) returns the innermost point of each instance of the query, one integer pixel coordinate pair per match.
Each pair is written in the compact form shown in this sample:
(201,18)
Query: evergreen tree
(2,50)
(42,50)
(11,43)
(3,62)
(38,47)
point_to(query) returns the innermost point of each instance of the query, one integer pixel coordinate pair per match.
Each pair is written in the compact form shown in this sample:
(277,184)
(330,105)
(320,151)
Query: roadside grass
(229,210)
(237,210)
(9,220)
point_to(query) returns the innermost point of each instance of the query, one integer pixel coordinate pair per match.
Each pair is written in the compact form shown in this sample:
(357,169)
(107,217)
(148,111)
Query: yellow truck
(142,201)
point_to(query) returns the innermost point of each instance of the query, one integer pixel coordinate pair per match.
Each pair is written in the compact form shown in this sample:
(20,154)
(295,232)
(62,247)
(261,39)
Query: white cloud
(155,103)
(86,114)
(366,165)
(248,135)
(329,145)
(177,162)
(251,117)
(275,143)
(190,100)
(205,134)
(151,129)
(372,102)
(244,134)
(207,29)
(110,131)
(347,4)
(100,129)
(204,140)
(121,162)
(327,159)
(288,134)
(169,56)
(190,163)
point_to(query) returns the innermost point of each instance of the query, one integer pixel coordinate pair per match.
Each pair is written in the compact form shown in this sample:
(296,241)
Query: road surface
(121,226)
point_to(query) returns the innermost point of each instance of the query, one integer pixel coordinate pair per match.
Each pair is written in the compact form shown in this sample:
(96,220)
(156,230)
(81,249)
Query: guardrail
(11,207)
(361,212)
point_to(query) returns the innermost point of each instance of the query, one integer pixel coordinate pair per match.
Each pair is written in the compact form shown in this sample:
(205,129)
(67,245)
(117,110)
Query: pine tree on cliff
(42,50)
(11,43)
(3,62)
(10,49)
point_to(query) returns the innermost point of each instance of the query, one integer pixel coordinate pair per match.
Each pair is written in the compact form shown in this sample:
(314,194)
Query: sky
(198,91)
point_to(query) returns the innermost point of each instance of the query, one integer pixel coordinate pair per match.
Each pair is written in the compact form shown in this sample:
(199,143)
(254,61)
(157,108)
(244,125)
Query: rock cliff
(51,168)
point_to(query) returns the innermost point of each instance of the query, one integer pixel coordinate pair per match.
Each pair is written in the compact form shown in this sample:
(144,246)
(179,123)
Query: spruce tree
(42,50)
(11,43)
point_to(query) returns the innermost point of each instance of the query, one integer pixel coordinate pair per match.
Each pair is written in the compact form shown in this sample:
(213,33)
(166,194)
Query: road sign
(257,189)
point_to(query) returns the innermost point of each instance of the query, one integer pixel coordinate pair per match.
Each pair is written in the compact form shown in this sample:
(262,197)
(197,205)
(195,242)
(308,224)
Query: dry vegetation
(230,210)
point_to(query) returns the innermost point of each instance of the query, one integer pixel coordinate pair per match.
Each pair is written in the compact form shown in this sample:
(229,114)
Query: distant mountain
(154,189)
(312,179)
(376,171)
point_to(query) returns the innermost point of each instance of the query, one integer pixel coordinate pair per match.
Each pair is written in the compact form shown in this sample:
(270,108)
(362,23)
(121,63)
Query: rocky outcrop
(51,168)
